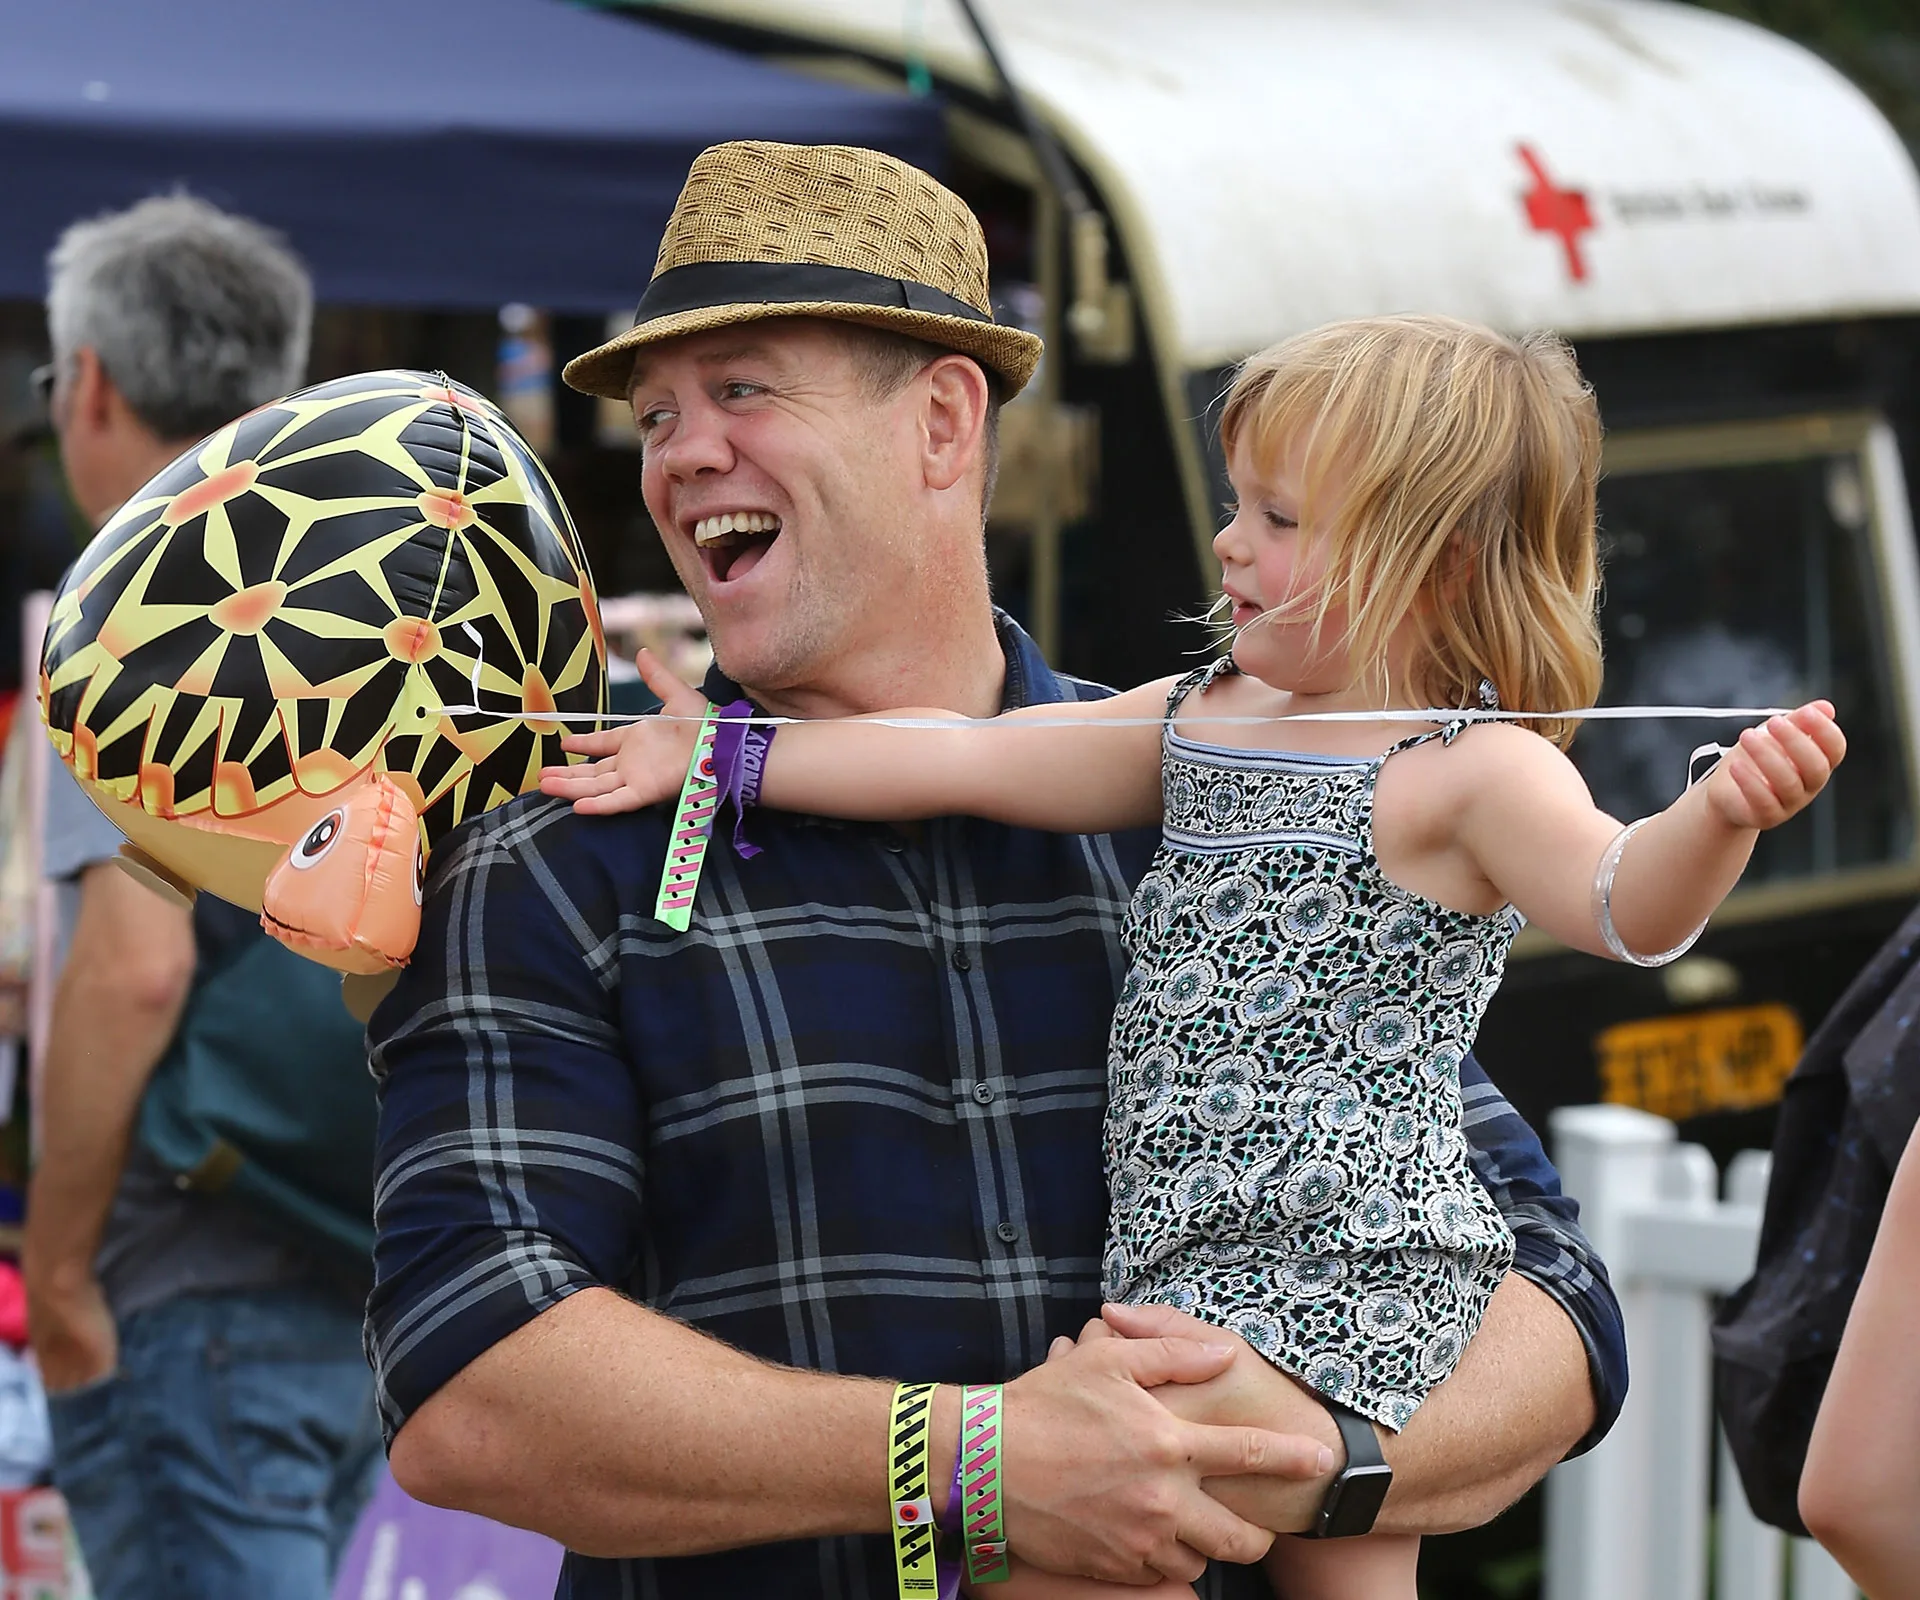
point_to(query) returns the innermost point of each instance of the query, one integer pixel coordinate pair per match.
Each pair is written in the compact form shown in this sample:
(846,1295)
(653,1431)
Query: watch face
(1354,1501)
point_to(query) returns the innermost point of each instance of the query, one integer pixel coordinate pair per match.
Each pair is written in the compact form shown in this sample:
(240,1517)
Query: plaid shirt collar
(1029,681)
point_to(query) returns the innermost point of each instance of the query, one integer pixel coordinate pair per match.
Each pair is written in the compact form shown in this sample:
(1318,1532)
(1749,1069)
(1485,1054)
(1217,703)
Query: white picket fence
(1630,1520)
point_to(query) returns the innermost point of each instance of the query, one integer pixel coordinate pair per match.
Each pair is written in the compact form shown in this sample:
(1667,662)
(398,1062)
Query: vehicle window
(1748,583)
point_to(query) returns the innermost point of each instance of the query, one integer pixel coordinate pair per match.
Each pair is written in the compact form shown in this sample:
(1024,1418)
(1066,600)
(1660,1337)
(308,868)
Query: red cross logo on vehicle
(1551,209)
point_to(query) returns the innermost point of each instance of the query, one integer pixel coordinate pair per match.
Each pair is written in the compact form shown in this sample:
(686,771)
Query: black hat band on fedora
(702,285)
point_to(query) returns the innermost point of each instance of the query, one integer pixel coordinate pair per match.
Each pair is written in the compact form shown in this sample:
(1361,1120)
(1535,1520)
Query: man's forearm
(103,1045)
(1520,1399)
(621,1432)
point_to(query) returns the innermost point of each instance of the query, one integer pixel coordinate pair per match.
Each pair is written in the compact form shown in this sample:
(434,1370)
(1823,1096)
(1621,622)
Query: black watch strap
(1355,1495)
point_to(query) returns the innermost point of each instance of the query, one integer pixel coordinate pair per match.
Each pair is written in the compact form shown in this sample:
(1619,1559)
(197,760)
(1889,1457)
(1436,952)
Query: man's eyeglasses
(41,381)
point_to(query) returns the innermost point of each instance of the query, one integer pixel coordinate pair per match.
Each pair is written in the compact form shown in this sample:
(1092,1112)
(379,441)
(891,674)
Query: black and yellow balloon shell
(255,667)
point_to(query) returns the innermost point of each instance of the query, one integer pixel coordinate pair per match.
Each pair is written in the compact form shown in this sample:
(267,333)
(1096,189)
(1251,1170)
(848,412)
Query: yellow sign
(1682,1066)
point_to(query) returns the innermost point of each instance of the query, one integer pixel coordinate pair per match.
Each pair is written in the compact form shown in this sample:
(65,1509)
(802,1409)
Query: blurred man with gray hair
(214,1432)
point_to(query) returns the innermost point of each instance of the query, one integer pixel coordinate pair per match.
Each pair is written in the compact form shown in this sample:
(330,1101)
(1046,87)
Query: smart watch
(1354,1497)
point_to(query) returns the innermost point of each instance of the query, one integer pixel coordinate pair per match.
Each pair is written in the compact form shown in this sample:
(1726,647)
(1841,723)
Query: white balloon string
(479,652)
(1429,714)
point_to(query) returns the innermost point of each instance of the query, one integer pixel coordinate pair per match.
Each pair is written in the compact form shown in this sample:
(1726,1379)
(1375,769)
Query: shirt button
(896,844)
(1007,1232)
(962,962)
(983,1094)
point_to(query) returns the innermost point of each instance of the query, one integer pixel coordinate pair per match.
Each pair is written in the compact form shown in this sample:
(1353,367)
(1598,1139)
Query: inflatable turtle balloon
(257,667)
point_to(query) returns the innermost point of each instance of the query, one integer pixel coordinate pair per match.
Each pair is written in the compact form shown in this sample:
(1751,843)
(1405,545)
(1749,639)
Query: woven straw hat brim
(1011,354)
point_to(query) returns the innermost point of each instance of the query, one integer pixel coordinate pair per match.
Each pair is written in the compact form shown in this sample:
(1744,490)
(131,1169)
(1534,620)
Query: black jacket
(1844,1121)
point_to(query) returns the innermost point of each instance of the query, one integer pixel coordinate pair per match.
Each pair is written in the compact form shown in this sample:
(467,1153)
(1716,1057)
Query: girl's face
(1270,570)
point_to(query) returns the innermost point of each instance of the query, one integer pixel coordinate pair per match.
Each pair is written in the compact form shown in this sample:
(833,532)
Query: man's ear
(92,395)
(955,419)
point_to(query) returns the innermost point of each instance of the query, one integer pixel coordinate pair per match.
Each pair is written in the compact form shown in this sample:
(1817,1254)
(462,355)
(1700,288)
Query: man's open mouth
(732,542)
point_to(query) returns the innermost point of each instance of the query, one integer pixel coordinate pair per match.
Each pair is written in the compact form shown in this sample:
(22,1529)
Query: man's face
(783,489)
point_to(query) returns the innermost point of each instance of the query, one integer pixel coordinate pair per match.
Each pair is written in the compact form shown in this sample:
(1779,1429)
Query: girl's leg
(1030,1583)
(1376,1566)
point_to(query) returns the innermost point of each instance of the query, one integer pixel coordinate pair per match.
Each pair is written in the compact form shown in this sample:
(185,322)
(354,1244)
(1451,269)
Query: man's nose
(697,443)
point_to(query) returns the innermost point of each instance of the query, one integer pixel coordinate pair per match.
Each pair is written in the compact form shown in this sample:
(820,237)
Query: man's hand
(1101,1479)
(638,763)
(72,1329)
(1247,1388)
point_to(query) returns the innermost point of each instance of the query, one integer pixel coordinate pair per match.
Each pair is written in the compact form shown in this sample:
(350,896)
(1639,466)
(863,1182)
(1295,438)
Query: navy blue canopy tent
(451,153)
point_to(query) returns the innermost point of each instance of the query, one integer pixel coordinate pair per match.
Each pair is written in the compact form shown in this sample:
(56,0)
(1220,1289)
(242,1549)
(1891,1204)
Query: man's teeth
(711,530)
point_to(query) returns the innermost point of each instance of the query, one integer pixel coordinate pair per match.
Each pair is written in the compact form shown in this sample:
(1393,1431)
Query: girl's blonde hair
(1443,462)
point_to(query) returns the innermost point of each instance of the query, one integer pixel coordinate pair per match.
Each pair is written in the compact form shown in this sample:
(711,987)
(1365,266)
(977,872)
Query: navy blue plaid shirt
(849,1121)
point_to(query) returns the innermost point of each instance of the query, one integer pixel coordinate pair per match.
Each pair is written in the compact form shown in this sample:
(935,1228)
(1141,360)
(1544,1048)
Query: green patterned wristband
(981,1523)
(692,827)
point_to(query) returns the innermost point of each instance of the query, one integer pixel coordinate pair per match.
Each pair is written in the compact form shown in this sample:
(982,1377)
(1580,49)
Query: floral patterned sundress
(1283,1144)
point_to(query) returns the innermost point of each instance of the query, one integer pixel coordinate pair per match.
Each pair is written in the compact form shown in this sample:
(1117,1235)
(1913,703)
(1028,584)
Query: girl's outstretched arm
(1020,767)
(1532,829)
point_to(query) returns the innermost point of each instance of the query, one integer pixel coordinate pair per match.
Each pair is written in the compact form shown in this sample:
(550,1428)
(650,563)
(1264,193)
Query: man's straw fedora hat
(825,230)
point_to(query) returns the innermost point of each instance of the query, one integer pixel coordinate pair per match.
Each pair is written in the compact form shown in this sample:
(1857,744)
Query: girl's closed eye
(1279,520)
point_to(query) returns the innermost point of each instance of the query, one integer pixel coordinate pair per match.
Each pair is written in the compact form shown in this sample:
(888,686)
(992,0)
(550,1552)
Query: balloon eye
(320,840)
(419,872)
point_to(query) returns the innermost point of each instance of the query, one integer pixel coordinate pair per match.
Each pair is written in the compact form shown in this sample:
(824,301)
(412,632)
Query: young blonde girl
(1333,901)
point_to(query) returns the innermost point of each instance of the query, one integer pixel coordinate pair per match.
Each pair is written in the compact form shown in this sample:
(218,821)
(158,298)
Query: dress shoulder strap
(1200,678)
(1489,701)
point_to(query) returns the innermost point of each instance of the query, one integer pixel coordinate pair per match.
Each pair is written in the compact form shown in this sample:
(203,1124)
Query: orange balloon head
(347,891)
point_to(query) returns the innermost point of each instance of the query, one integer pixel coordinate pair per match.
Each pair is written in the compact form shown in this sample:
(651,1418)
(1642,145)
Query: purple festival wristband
(950,1521)
(739,761)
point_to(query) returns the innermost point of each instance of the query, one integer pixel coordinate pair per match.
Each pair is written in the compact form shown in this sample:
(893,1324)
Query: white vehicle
(1727,230)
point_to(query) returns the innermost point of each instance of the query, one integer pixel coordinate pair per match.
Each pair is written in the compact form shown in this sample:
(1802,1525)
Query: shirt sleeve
(74,833)
(507,1173)
(1550,1250)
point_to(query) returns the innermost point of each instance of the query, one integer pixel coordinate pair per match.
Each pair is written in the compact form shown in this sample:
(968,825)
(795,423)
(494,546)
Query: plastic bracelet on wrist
(981,1520)
(1603,906)
(913,1524)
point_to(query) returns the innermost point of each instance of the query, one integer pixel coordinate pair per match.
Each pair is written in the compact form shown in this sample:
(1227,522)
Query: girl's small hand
(1776,769)
(638,763)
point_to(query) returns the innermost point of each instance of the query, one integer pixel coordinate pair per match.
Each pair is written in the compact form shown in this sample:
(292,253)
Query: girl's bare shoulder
(1507,744)
(1491,780)
(1488,756)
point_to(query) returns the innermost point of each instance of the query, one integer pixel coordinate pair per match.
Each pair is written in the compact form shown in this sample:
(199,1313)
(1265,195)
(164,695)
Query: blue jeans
(229,1455)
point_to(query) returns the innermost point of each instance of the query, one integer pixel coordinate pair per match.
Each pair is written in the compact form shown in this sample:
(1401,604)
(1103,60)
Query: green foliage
(1876,43)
